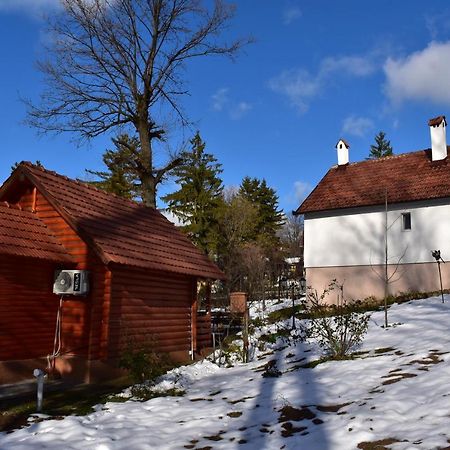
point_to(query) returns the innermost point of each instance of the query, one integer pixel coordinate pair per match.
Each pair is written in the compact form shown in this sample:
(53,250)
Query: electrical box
(71,282)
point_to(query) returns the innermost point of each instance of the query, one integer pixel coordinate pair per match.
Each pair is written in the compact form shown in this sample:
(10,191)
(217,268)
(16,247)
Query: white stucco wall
(356,237)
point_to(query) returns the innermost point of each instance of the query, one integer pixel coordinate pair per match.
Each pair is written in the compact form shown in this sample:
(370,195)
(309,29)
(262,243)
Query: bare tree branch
(119,63)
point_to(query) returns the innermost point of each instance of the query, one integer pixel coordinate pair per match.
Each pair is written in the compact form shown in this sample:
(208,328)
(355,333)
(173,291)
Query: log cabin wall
(82,317)
(79,313)
(149,306)
(27,308)
(204,337)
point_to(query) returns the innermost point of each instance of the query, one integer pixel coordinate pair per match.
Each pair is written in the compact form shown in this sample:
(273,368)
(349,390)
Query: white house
(346,221)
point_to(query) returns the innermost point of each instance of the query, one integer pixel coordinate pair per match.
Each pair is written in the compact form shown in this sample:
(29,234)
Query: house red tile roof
(120,230)
(406,177)
(22,233)
(437,121)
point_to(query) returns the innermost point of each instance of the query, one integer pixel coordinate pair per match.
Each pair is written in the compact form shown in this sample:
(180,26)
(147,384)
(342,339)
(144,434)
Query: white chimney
(342,152)
(438,138)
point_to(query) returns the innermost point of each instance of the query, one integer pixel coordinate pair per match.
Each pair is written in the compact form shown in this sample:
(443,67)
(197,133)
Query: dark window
(406,221)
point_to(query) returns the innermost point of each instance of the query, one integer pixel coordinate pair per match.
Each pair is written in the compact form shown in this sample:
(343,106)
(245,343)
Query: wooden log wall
(82,316)
(78,337)
(27,308)
(150,306)
(204,337)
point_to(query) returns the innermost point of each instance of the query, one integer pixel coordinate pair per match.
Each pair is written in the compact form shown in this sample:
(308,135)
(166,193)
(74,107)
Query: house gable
(118,230)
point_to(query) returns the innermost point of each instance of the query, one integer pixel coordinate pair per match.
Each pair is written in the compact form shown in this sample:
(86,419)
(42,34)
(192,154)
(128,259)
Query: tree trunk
(148,181)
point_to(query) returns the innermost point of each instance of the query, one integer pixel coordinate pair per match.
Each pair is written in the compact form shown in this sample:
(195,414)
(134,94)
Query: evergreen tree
(270,219)
(199,198)
(121,177)
(381,148)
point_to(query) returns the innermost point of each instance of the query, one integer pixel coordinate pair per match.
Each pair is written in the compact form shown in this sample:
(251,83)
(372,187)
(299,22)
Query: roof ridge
(81,182)
(411,176)
(387,158)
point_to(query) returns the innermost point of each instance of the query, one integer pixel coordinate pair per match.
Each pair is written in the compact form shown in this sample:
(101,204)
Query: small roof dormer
(342,147)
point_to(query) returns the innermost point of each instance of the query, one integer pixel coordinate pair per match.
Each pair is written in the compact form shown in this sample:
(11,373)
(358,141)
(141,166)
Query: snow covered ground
(398,393)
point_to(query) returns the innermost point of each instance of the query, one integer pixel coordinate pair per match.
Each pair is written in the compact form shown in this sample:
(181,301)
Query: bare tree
(119,63)
(388,275)
(292,235)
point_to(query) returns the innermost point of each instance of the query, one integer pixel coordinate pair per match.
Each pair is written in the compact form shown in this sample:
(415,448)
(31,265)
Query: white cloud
(37,8)
(357,126)
(220,99)
(291,13)
(301,86)
(357,66)
(239,110)
(32,7)
(301,191)
(423,75)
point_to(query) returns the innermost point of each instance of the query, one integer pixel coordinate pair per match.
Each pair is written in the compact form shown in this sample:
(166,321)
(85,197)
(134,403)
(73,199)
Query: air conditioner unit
(71,282)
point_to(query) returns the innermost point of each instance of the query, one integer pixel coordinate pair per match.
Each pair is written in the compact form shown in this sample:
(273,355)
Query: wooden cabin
(143,278)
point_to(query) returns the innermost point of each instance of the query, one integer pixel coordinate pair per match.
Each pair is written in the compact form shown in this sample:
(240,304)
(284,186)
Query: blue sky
(318,71)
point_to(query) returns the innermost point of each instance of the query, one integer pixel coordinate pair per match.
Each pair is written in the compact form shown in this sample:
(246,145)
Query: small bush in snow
(271,370)
(143,361)
(338,328)
(144,392)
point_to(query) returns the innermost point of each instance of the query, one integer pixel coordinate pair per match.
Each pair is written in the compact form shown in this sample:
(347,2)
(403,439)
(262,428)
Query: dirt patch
(378,445)
(241,400)
(331,408)
(376,390)
(395,378)
(216,437)
(381,351)
(290,413)
(234,414)
(289,429)
(432,358)
(296,361)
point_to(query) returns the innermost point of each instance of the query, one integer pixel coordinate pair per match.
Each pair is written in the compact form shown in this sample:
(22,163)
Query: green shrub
(338,328)
(143,361)
(144,392)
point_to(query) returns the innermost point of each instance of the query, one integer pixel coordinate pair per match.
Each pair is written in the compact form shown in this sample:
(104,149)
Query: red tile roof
(120,230)
(22,233)
(437,121)
(406,177)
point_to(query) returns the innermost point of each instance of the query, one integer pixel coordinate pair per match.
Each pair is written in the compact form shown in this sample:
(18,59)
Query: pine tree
(270,218)
(199,198)
(121,177)
(381,148)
